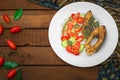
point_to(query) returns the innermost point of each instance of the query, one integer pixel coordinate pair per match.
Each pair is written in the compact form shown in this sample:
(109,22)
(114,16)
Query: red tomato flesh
(69,49)
(64,38)
(79,38)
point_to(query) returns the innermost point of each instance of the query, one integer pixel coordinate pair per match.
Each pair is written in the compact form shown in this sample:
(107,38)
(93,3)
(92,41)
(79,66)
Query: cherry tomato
(75,50)
(69,49)
(79,38)
(1,29)
(68,35)
(1,60)
(11,44)
(73,34)
(6,18)
(74,20)
(64,38)
(78,14)
(73,16)
(80,20)
(15,29)
(70,25)
(78,30)
(77,44)
(11,73)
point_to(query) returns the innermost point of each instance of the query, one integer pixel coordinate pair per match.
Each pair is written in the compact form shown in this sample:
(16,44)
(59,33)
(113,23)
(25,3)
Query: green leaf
(87,34)
(69,43)
(91,21)
(96,24)
(18,14)
(18,75)
(10,64)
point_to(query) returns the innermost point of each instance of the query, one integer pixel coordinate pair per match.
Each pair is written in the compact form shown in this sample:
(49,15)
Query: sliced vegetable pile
(77,30)
(11,64)
(71,34)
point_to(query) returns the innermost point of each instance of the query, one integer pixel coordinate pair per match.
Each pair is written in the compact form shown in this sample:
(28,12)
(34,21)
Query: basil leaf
(96,24)
(18,14)
(18,75)
(87,34)
(91,21)
(10,64)
(69,43)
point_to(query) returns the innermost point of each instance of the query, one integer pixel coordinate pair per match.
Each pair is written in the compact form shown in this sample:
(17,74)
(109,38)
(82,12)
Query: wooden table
(36,57)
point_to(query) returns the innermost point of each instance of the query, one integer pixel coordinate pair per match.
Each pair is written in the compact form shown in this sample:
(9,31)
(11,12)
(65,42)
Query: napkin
(110,69)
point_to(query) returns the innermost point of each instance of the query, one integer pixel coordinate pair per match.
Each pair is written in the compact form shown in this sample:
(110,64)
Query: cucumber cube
(82,46)
(73,40)
(64,43)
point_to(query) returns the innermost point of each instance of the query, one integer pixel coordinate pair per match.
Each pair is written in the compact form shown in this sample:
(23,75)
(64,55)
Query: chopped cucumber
(64,43)
(81,48)
(82,15)
(72,39)
(72,30)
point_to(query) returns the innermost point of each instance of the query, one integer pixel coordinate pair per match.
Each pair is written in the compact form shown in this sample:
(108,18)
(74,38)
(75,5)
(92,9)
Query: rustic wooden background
(37,59)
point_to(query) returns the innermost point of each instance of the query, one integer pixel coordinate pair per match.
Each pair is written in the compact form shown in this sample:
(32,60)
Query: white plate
(109,45)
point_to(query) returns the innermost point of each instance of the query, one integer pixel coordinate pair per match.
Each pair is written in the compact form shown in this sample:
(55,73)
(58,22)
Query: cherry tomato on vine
(11,44)
(15,29)
(1,29)
(11,73)
(6,18)
(1,60)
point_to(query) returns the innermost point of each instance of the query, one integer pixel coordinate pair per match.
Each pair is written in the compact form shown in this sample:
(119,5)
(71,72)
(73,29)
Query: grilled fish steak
(100,33)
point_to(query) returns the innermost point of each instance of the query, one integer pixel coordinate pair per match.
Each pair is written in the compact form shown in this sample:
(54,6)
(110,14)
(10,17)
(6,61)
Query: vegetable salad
(72,38)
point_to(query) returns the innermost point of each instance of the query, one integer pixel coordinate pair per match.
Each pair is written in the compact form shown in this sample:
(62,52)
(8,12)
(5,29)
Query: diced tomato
(69,32)
(69,49)
(70,25)
(77,44)
(75,50)
(78,14)
(74,20)
(80,20)
(64,38)
(78,30)
(73,16)
(79,38)
(68,35)
(73,34)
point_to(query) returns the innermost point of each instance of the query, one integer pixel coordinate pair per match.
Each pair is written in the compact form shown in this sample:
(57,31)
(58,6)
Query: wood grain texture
(37,59)
(33,56)
(31,37)
(55,73)
(34,18)
(30,19)
(15,4)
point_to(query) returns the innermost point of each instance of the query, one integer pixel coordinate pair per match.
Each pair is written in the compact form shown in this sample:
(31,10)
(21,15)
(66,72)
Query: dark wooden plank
(55,73)
(33,56)
(30,19)
(32,37)
(34,19)
(15,4)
